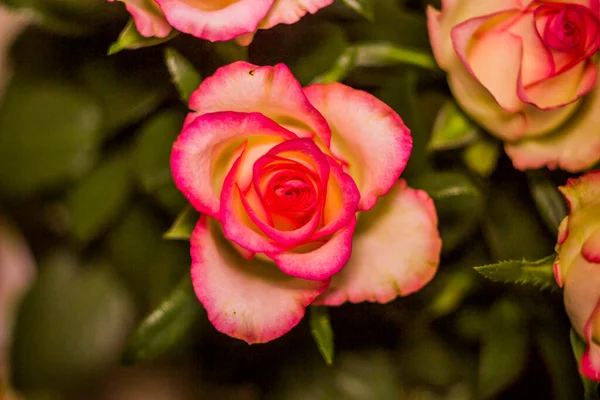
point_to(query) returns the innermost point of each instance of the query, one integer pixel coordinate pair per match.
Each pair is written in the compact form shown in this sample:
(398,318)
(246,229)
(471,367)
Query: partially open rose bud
(520,69)
(578,265)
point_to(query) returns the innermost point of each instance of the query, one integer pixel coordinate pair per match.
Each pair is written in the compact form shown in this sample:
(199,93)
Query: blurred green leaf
(342,67)
(363,7)
(365,375)
(455,289)
(548,200)
(183,74)
(130,38)
(184,225)
(380,54)
(48,134)
(166,326)
(481,156)
(538,273)
(123,88)
(511,228)
(287,44)
(71,326)
(147,264)
(452,129)
(504,348)
(320,328)
(458,201)
(152,149)
(590,387)
(98,198)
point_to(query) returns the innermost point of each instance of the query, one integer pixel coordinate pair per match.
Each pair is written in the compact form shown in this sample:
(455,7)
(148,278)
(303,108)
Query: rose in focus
(577,268)
(217,20)
(280,174)
(520,68)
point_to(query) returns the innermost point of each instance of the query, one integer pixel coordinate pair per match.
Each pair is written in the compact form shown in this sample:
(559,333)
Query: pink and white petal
(272,91)
(237,225)
(563,148)
(290,11)
(323,262)
(368,134)
(396,250)
(193,154)
(148,18)
(591,250)
(581,292)
(248,300)
(436,36)
(494,54)
(590,360)
(215,20)
(342,201)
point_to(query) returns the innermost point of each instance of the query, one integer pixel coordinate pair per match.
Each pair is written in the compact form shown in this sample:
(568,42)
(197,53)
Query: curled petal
(248,300)
(290,11)
(590,360)
(323,262)
(215,20)
(396,250)
(272,91)
(195,159)
(563,148)
(368,134)
(148,18)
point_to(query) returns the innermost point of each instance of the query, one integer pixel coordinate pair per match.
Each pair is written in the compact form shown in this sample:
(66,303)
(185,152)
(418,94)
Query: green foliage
(363,7)
(481,155)
(452,129)
(320,328)
(538,273)
(183,74)
(130,38)
(71,325)
(48,135)
(184,225)
(167,326)
(548,200)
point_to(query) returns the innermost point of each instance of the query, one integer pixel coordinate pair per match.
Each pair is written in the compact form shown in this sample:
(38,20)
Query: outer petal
(248,300)
(148,18)
(215,20)
(290,11)
(590,360)
(193,155)
(272,91)
(395,253)
(563,148)
(368,134)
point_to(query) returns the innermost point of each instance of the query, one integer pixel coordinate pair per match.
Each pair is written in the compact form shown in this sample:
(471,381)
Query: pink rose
(217,20)
(577,268)
(281,174)
(520,69)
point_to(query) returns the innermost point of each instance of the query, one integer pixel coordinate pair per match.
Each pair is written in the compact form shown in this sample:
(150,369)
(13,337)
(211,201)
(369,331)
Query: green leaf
(183,74)
(71,325)
(452,129)
(98,198)
(539,273)
(363,7)
(380,54)
(320,327)
(481,156)
(48,135)
(184,225)
(456,287)
(166,326)
(458,201)
(590,387)
(130,39)
(340,70)
(504,348)
(548,200)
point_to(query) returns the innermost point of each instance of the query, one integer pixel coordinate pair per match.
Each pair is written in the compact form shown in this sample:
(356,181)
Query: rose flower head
(217,20)
(281,175)
(520,68)
(577,268)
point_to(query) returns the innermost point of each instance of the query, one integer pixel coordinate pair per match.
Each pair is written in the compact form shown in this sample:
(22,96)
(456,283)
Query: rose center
(567,27)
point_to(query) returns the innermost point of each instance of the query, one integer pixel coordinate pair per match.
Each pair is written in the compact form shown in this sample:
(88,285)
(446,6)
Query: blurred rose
(577,268)
(217,20)
(17,270)
(282,172)
(520,69)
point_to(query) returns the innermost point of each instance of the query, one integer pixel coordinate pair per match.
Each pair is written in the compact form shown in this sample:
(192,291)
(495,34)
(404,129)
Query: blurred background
(86,196)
